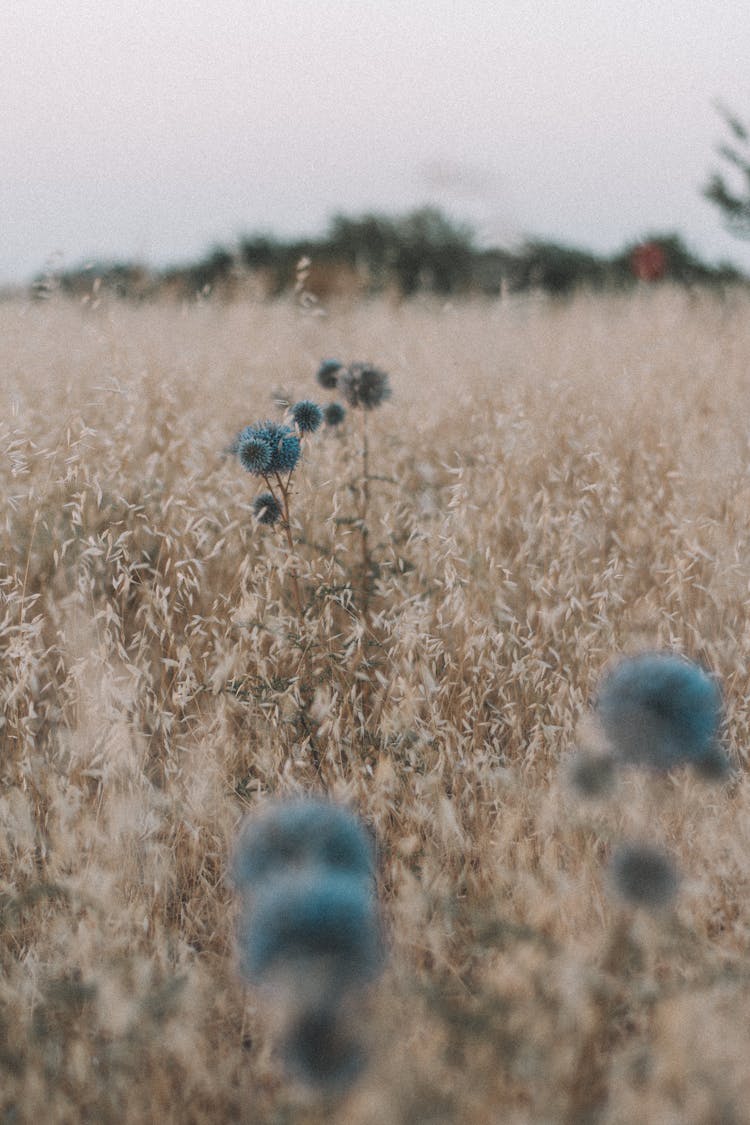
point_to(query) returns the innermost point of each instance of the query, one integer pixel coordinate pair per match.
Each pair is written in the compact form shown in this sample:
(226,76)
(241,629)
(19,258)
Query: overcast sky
(153,129)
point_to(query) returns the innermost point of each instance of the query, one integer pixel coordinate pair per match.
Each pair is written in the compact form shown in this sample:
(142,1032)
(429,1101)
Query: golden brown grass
(565,483)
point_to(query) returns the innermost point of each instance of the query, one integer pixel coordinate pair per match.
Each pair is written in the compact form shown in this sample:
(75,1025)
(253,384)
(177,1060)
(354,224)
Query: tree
(733,201)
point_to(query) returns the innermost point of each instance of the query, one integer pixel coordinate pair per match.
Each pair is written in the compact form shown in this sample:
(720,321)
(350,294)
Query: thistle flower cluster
(309,928)
(362,386)
(272,450)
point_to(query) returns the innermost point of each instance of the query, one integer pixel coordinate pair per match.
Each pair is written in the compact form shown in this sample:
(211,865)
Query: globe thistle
(320,1049)
(308,416)
(304,832)
(254,452)
(284,446)
(312,921)
(643,876)
(661,711)
(267,509)
(364,386)
(234,446)
(328,373)
(334,414)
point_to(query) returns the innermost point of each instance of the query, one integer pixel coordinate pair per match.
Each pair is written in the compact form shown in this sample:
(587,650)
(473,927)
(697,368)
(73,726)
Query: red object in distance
(648,262)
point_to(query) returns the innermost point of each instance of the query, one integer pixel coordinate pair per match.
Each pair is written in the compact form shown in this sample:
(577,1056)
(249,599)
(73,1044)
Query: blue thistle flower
(234,446)
(305,832)
(643,876)
(661,711)
(284,446)
(364,386)
(334,414)
(321,1050)
(303,915)
(267,509)
(308,416)
(328,373)
(254,452)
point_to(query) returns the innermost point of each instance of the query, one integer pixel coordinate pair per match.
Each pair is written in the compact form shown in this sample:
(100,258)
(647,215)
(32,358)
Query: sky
(153,130)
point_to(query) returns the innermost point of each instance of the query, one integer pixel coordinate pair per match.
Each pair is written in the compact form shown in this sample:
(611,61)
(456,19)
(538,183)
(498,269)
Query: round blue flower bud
(328,373)
(284,446)
(267,509)
(305,832)
(303,915)
(334,414)
(254,452)
(307,415)
(661,711)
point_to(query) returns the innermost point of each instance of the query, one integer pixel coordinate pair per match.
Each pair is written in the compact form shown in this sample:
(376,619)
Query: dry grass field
(553,485)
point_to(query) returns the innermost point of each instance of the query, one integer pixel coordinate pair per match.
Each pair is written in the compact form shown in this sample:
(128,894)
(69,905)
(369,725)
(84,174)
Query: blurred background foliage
(421,252)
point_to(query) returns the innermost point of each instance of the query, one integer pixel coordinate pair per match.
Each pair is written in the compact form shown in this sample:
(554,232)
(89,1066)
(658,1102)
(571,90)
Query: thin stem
(284,490)
(363,514)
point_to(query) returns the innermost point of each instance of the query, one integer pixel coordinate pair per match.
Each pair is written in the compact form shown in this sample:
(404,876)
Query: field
(552,485)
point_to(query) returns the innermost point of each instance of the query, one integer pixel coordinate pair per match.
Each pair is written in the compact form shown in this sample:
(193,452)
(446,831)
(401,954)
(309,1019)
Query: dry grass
(566,483)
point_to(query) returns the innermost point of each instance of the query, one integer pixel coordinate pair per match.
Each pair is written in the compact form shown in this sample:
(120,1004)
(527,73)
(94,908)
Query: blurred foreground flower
(643,876)
(310,931)
(301,833)
(663,711)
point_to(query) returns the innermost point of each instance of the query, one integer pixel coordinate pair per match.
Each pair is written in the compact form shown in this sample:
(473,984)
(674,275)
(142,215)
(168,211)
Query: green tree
(730,191)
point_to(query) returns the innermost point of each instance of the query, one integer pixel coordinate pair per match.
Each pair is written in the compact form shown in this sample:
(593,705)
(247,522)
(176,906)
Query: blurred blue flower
(661,711)
(643,876)
(304,832)
(301,916)
(328,373)
(365,386)
(307,415)
(334,414)
(321,1049)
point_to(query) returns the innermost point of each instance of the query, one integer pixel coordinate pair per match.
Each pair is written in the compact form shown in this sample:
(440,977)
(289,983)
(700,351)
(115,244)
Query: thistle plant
(364,388)
(271,451)
(309,930)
